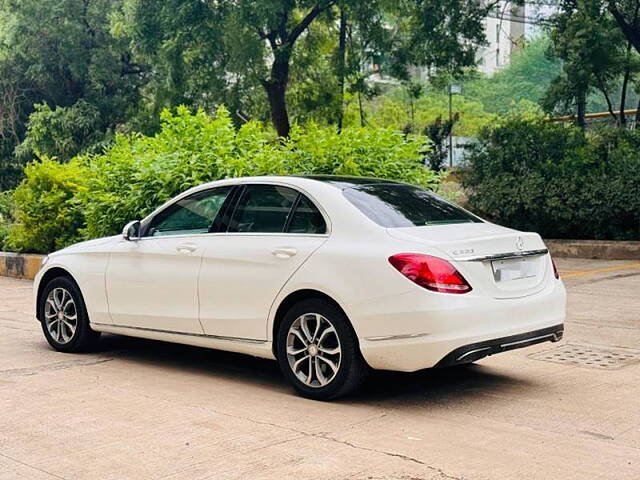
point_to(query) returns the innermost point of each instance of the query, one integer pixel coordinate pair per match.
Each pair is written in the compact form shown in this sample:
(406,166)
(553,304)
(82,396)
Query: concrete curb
(19,265)
(594,249)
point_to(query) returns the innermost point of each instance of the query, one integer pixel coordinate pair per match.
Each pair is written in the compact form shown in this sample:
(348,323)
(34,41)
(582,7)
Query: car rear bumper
(476,351)
(419,335)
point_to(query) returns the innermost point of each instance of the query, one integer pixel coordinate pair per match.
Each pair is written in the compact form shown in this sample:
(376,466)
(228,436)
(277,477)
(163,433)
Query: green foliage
(139,173)
(6,216)
(62,132)
(393,110)
(530,174)
(47,212)
(524,82)
(60,52)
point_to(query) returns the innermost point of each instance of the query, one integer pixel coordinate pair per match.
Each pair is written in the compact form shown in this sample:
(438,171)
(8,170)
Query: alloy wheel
(61,315)
(313,350)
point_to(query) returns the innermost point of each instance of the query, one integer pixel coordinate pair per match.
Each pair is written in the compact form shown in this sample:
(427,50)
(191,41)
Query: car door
(271,232)
(152,282)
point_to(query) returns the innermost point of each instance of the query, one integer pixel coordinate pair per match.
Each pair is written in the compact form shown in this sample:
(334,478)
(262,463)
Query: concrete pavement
(142,409)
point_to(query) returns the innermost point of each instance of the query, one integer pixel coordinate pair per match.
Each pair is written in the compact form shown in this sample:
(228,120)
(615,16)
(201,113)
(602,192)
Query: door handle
(187,248)
(284,252)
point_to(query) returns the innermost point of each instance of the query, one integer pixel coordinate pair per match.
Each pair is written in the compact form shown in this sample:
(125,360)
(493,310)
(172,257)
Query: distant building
(507,28)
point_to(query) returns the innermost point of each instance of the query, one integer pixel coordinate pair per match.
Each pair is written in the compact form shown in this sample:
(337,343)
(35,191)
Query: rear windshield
(400,205)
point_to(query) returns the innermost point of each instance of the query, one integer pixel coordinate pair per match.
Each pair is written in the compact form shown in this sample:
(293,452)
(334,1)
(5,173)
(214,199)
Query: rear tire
(318,351)
(64,319)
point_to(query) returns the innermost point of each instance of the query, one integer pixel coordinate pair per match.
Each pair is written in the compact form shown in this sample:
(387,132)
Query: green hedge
(60,203)
(530,174)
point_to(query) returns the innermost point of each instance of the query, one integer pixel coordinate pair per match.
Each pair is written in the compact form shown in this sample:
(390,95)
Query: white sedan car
(329,275)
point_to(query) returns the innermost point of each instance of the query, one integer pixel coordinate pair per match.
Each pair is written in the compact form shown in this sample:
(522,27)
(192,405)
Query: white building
(507,28)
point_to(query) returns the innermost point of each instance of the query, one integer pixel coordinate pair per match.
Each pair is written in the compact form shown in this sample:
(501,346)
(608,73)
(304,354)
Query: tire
(66,329)
(298,356)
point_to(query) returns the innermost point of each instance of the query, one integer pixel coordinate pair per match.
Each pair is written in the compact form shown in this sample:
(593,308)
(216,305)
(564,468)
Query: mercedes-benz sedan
(331,276)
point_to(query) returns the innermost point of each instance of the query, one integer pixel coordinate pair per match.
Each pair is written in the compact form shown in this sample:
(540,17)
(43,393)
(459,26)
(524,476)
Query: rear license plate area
(513,269)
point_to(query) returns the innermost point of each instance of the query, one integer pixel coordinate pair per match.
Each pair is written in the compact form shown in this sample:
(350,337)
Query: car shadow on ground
(430,385)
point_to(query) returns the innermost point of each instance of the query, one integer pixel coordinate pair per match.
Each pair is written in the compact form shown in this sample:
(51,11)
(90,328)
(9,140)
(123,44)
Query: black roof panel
(349,182)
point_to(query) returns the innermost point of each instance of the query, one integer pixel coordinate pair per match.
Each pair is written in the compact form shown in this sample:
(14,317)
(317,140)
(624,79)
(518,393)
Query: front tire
(64,319)
(318,351)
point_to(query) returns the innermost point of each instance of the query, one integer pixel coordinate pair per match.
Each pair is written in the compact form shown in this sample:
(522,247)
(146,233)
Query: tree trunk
(625,84)
(637,122)
(342,56)
(582,109)
(276,88)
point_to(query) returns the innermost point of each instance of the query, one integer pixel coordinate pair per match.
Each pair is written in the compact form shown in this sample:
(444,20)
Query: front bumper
(476,351)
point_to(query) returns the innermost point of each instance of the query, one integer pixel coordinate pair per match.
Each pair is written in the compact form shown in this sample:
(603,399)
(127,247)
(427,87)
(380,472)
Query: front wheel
(318,351)
(64,318)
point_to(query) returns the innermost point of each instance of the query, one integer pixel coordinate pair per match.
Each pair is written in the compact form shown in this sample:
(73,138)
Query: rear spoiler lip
(504,256)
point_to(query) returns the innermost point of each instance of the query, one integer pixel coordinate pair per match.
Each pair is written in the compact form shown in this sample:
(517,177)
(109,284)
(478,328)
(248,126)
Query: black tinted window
(263,208)
(405,206)
(193,214)
(306,218)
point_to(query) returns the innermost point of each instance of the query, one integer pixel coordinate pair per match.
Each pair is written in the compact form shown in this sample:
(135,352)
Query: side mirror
(131,231)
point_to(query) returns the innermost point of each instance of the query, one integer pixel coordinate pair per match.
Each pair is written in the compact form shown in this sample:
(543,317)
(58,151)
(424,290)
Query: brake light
(429,272)
(555,269)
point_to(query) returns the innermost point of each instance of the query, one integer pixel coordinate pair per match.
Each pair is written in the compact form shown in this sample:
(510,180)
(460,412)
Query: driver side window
(190,215)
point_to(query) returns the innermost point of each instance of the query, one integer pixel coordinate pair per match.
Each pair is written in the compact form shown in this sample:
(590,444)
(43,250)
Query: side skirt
(256,348)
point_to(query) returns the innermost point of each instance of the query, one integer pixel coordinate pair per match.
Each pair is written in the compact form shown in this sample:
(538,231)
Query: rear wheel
(318,351)
(64,318)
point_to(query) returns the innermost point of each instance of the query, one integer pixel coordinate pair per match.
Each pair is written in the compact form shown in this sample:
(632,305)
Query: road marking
(582,273)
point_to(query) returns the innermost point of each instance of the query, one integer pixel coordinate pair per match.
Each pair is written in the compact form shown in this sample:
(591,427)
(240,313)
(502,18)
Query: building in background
(507,28)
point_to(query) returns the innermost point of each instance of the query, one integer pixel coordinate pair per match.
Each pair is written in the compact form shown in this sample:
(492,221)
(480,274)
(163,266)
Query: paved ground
(141,409)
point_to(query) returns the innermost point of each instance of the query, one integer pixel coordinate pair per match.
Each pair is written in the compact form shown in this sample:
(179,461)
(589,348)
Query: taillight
(432,273)
(555,269)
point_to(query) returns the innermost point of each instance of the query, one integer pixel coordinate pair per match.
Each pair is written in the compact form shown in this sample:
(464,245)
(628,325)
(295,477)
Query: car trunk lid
(495,260)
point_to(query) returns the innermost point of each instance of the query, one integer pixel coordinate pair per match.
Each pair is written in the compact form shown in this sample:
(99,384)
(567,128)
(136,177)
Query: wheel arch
(52,273)
(289,301)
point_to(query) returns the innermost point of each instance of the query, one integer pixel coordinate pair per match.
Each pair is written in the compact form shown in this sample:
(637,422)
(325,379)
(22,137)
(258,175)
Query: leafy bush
(47,212)
(6,216)
(62,132)
(530,174)
(95,196)
(139,173)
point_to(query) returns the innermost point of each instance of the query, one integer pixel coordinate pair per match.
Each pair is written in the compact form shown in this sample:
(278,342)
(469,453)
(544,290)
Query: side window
(306,218)
(263,209)
(193,214)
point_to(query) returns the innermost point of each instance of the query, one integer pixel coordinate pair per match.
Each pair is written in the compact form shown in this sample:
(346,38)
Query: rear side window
(306,218)
(263,209)
(397,205)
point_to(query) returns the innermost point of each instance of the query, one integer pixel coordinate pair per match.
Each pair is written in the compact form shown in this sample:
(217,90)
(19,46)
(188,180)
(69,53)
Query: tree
(595,54)
(255,42)
(59,52)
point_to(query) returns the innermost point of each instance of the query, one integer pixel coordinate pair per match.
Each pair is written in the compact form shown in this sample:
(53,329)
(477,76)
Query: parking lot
(143,409)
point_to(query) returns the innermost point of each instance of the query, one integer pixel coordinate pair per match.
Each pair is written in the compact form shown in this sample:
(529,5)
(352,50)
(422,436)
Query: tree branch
(630,30)
(306,21)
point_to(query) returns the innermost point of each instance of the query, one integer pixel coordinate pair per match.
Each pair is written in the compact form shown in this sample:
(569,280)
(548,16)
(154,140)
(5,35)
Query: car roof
(349,182)
(337,181)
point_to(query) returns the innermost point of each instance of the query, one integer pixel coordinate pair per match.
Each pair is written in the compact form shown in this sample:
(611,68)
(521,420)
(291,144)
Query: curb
(594,249)
(19,265)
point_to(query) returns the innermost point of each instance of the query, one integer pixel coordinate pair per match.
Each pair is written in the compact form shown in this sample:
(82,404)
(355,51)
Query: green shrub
(530,174)
(139,173)
(47,212)
(6,216)
(94,196)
